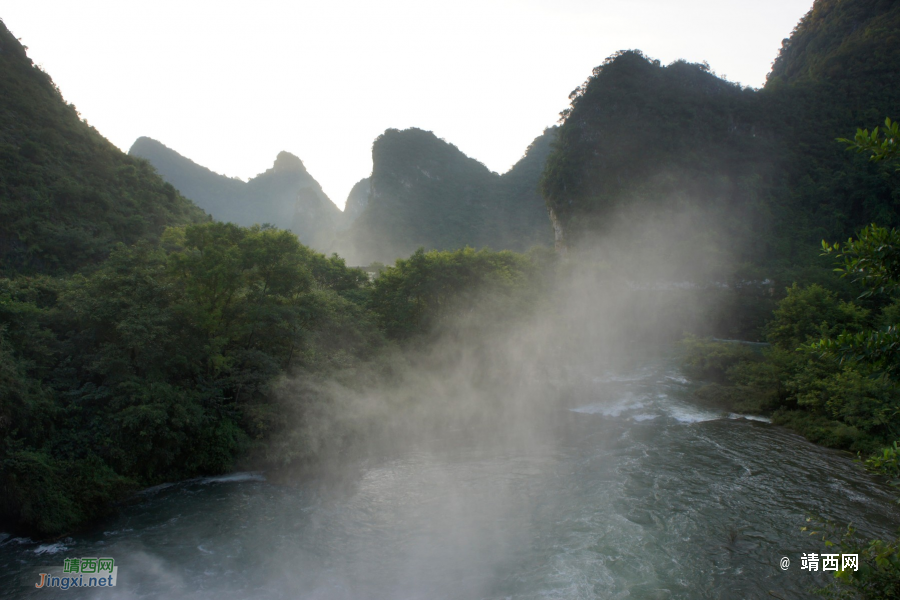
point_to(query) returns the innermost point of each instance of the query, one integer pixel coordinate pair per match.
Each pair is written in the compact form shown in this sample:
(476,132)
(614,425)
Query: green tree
(872,259)
(159,364)
(811,312)
(420,293)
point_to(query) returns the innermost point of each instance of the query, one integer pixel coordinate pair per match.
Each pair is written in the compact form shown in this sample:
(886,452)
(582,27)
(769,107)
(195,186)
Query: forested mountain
(839,70)
(424,192)
(841,41)
(285,196)
(758,171)
(67,195)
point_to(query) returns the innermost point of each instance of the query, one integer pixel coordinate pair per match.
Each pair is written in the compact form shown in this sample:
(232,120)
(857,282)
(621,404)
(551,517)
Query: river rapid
(635,493)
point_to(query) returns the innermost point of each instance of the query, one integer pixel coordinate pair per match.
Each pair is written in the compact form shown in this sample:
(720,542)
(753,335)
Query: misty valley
(657,358)
(632,491)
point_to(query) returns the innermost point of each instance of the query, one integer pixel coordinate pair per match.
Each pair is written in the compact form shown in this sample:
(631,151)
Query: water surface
(636,493)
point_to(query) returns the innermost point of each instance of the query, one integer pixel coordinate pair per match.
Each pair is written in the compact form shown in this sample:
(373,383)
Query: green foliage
(810,313)
(50,495)
(840,40)
(676,129)
(852,403)
(842,407)
(856,404)
(872,259)
(420,293)
(868,404)
(879,144)
(68,195)
(155,365)
(711,361)
(878,573)
(166,360)
(877,350)
(886,463)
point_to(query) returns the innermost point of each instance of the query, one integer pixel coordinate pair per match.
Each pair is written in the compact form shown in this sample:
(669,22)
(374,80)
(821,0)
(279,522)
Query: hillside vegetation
(67,195)
(759,168)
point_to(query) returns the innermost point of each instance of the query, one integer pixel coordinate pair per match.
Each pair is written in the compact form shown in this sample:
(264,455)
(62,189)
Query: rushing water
(637,494)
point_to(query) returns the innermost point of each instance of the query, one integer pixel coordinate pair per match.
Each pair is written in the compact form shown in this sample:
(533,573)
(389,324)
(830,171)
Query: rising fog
(449,435)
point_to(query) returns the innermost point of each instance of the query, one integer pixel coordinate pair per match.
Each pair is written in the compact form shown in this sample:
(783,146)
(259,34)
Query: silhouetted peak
(415,149)
(144,143)
(285,161)
(412,138)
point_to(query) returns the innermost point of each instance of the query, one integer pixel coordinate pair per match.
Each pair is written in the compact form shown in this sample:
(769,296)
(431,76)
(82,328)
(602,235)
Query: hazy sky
(230,84)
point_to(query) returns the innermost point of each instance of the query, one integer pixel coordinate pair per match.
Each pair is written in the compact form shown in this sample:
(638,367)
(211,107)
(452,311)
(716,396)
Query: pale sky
(230,84)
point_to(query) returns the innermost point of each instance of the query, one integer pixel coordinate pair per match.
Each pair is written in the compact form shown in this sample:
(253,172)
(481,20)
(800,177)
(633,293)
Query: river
(635,494)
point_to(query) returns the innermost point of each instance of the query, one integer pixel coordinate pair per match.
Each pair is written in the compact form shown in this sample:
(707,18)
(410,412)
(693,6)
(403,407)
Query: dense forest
(160,363)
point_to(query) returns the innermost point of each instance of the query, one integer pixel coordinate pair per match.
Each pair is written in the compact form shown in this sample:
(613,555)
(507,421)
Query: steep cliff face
(285,195)
(523,220)
(758,171)
(67,195)
(424,192)
(357,200)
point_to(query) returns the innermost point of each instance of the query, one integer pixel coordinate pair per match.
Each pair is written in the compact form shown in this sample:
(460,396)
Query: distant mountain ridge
(425,192)
(285,196)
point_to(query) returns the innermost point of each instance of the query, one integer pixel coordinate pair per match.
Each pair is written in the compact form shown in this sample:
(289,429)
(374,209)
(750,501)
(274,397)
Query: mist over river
(634,493)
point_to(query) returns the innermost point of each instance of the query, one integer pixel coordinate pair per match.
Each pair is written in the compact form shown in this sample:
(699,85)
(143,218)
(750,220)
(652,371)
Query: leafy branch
(882,144)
